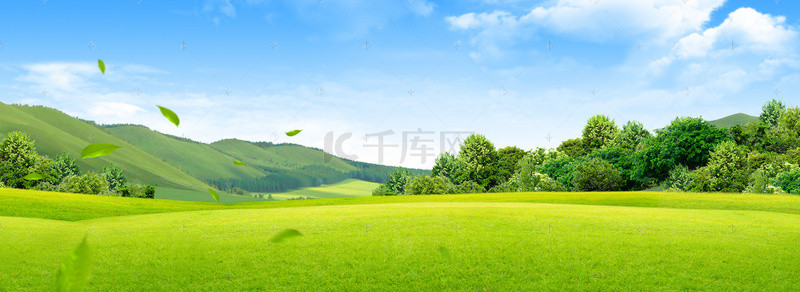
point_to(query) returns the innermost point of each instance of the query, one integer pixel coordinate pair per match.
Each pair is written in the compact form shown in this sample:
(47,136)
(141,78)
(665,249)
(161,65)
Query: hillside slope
(197,159)
(733,120)
(285,156)
(55,132)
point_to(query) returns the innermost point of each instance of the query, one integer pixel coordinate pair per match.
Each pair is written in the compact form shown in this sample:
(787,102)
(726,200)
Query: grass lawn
(554,241)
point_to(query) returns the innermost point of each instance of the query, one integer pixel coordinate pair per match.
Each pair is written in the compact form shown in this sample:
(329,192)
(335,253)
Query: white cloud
(110,110)
(601,20)
(59,75)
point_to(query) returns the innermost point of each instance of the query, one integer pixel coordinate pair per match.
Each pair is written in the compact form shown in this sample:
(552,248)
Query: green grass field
(346,188)
(521,241)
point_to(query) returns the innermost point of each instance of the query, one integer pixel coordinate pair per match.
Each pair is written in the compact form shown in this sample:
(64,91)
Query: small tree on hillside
(64,165)
(17,159)
(114,177)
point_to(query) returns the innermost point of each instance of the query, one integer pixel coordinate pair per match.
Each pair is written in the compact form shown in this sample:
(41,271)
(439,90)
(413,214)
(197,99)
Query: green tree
(623,159)
(17,159)
(680,179)
(449,166)
(728,168)
(479,157)
(64,165)
(508,158)
(561,169)
(597,175)
(633,133)
(771,112)
(686,141)
(789,181)
(398,180)
(467,187)
(114,177)
(791,120)
(426,185)
(599,131)
(573,147)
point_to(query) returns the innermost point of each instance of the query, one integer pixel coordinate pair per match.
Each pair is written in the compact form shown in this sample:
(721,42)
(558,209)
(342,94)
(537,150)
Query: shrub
(467,187)
(382,190)
(426,185)
(137,191)
(89,183)
(114,177)
(597,175)
(398,180)
(789,181)
(680,179)
(17,159)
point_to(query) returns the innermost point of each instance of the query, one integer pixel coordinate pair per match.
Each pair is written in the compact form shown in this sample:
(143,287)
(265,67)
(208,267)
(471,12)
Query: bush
(597,175)
(467,187)
(137,191)
(114,177)
(426,185)
(382,190)
(90,183)
(398,180)
(789,181)
(17,159)
(680,179)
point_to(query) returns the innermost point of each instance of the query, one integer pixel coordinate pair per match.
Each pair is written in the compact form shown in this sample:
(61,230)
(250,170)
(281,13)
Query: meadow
(506,241)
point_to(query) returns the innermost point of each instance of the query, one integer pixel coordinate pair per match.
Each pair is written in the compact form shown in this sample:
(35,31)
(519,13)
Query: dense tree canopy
(599,131)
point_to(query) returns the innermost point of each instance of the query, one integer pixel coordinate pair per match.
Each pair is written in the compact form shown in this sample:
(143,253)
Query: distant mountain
(733,120)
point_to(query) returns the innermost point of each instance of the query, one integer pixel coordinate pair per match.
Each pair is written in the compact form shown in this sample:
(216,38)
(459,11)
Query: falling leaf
(102,66)
(237,162)
(213,194)
(74,272)
(293,132)
(445,252)
(286,235)
(98,149)
(33,176)
(170,115)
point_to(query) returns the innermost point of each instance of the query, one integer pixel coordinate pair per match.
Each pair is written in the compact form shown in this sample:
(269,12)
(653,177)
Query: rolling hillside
(197,159)
(285,156)
(55,132)
(617,241)
(733,120)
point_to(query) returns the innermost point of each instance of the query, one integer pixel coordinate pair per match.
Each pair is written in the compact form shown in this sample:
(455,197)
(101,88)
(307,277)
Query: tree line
(688,155)
(21,166)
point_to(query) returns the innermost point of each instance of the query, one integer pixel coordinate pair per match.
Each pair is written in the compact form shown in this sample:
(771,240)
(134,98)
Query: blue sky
(524,73)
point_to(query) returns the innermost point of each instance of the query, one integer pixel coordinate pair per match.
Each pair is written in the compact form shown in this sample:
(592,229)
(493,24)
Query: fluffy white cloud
(59,75)
(601,20)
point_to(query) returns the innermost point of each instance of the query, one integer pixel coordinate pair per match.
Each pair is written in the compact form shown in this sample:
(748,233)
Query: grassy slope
(394,245)
(198,159)
(733,120)
(346,188)
(55,132)
(283,156)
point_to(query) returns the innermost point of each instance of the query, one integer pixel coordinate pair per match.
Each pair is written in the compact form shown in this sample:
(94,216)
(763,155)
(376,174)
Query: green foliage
(597,175)
(560,168)
(528,179)
(98,149)
(293,133)
(18,158)
(64,165)
(427,185)
(599,131)
(680,179)
(623,160)
(573,147)
(508,158)
(90,183)
(170,115)
(791,120)
(686,141)
(114,177)
(467,187)
(789,181)
(633,133)
(780,139)
(727,170)
(771,112)
(449,166)
(137,191)
(398,180)
(479,157)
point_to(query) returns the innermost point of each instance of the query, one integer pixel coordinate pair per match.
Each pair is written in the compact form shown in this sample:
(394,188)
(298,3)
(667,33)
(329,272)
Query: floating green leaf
(170,115)
(98,149)
(33,176)
(286,235)
(102,66)
(213,194)
(445,252)
(74,272)
(293,132)
(237,162)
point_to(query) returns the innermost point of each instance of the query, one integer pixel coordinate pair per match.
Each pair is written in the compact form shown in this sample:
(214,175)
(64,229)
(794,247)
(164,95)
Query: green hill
(196,159)
(733,120)
(347,188)
(638,241)
(55,132)
(286,156)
